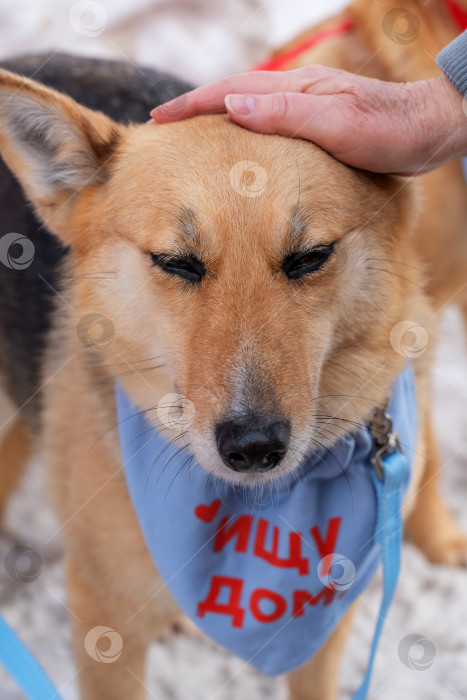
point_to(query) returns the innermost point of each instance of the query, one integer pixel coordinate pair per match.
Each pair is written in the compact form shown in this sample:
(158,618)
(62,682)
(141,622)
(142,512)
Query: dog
(266,301)
(399,42)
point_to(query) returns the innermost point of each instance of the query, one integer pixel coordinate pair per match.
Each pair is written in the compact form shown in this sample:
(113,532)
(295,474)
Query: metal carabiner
(385,438)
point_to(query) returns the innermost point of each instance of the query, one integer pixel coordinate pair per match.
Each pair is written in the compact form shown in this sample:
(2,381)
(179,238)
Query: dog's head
(254,276)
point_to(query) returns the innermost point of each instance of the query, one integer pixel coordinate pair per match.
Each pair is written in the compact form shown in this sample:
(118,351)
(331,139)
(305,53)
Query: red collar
(458,13)
(278,62)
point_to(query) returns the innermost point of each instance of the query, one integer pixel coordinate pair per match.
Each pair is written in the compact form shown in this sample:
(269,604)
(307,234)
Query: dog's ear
(55,147)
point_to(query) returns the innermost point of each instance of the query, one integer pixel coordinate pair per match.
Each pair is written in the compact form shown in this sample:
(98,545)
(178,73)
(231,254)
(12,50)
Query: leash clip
(385,438)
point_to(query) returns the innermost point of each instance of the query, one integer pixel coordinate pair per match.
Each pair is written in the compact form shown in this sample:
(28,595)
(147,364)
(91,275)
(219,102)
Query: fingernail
(150,121)
(242,105)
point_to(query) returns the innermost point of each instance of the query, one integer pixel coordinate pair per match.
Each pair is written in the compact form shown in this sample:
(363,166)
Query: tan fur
(246,335)
(319,678)
(15,450)
(440,235)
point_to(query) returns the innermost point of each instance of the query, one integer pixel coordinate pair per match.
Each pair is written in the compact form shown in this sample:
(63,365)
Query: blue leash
(389,536)
(31,678)
(23,667)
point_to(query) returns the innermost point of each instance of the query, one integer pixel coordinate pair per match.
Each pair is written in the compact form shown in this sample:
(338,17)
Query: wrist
(441,122)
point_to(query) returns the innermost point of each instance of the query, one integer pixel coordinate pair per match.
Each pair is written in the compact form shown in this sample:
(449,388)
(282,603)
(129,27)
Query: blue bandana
(249,552)
(268,573)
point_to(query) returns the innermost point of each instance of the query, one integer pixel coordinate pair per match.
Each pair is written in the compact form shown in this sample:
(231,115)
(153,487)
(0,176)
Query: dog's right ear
(55,147)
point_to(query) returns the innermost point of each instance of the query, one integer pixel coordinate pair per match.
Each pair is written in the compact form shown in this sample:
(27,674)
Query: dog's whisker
(324,416)
(169,444)
(141,370)
(357,424)
(190,457)
(317,442)
(325,430)
(111,365)
(124,420)
(327,421)
(149,429)
(396,274)
(150,469)
(344,396)
(394,262)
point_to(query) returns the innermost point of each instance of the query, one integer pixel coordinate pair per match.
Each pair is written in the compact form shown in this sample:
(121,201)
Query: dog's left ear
(55,147)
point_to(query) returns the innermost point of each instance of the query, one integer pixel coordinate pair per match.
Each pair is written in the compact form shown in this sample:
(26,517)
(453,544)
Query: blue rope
(389,536)
(23,667)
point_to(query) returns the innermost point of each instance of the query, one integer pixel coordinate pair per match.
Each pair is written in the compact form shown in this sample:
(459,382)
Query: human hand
(403,128)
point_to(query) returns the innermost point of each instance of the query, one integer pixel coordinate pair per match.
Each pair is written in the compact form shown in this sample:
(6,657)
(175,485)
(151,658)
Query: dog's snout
(251,444)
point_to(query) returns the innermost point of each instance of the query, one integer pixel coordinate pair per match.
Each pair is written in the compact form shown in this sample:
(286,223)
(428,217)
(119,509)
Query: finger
(209,99)
(316,118)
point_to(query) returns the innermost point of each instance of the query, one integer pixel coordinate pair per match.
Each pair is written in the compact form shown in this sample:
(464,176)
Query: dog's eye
(189,267)
(297,265)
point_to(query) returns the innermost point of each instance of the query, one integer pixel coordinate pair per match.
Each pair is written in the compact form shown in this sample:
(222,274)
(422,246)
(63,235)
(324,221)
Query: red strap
(459,14)
(277,62)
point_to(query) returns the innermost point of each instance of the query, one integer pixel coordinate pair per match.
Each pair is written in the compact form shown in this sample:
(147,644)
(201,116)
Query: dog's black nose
(250,444)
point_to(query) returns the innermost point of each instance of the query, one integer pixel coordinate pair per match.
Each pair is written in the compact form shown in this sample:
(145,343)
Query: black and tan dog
(269,302)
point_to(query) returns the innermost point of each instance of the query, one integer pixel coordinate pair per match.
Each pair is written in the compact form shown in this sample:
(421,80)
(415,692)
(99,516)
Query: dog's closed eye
(188,267)
(297,265)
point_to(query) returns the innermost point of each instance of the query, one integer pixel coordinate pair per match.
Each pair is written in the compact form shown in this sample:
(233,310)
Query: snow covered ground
(199,40)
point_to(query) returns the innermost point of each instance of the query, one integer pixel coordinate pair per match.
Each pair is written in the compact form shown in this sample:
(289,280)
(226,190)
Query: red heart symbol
(207,513)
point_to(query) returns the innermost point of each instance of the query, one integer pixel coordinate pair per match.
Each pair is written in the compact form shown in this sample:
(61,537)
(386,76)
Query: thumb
(286,113)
